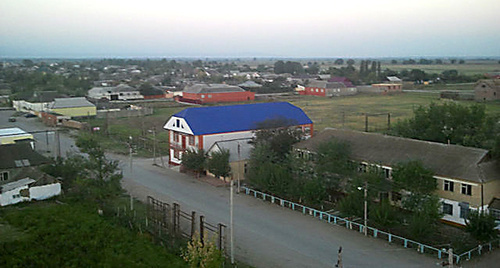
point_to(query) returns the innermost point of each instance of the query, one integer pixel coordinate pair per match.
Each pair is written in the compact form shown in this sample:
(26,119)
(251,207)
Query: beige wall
(490,189)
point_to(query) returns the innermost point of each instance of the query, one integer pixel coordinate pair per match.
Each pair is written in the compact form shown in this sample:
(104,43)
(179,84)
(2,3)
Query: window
(387,173)
(448,186)
(495,213)
(16,196)
(362,167)
(448,209)
(466,189)
(176,154)
(176,137)
(209,96)
(202,96)
(245,168)
(464,209)
(191,140)
(316,90)
(322,90)
(177,122)
(4,175)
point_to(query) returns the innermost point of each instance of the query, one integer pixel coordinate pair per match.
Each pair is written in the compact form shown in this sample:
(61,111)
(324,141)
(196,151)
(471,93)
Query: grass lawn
(471,68)
(48,234)
(328,112)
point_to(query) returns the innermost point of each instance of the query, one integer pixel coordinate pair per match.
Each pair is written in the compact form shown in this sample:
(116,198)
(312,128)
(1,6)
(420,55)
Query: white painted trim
(457,181)
(171,125)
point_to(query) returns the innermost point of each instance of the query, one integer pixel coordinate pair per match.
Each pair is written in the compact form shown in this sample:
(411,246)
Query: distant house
(467,177)
(239,154)
(211,93)
(325,89)
(20,180)
(250,84)
(73,107)
(120,92)
(200,127)
(40,101)
(487,90)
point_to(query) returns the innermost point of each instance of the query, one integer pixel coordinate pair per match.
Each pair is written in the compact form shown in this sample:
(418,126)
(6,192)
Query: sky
(255,28)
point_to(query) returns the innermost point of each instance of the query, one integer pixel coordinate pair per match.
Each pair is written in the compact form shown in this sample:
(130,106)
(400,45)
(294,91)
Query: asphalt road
(267,235)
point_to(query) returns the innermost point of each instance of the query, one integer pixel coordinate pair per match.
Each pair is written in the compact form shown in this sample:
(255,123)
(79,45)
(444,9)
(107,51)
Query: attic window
(18,163)
(26,163)
(178,122)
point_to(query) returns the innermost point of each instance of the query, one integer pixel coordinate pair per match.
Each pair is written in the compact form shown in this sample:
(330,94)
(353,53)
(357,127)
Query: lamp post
(365,227)
(231,220)
(130,151)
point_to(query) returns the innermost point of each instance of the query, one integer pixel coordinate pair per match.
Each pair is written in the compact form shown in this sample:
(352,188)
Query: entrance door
(183,142)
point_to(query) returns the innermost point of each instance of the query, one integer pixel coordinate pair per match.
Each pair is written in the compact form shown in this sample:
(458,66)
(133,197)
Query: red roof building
(211,93)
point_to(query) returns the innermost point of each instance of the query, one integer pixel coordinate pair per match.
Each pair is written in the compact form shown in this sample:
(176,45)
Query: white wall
(45,191)
(37,193)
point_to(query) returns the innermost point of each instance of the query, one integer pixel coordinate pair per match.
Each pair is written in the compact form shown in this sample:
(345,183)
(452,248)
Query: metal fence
(391,238)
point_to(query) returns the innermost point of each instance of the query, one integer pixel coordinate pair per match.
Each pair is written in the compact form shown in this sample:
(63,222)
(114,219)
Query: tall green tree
(333,162)
(481,225)
(194,160)
(218,163)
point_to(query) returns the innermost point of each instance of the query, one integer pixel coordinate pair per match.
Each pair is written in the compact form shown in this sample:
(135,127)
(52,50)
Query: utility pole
(130,152)
(343,119)
(58,144)
(231,228)
(366,209)
(154,145)
(450,258)
(366,122)
(239,166)
(388,121)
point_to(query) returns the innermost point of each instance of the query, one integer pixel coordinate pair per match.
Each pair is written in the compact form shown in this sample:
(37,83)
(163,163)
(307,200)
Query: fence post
(220,236)
(193,223)
(390,238)
(202,223)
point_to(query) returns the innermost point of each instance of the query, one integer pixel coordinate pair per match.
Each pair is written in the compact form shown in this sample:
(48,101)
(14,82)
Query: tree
(414,178)
(350,62)
(339,62)
(333,162)
(218,164)
(279,67)
(481,225)
(279,135)
(194,160)
(394,62)
(98,166)
(202,255)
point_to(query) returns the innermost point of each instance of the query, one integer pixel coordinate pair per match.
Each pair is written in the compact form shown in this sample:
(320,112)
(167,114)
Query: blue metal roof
(220,119)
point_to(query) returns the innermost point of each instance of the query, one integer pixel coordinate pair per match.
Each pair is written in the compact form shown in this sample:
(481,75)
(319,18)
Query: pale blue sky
(262,28)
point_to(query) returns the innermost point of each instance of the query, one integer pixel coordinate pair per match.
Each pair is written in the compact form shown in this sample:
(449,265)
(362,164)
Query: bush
(481,225)
(383,214)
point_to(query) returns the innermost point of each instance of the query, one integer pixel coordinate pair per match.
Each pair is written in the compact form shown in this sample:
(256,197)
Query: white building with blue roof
(200,127)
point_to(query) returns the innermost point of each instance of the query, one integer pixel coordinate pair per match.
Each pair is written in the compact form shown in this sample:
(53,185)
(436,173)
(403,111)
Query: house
(325,89)
(467,177)
(121,92)
(20,180)
(73,107)
(487,90)
(250,84)
(40,101)
(211,93)
(15,135)
(200,127)
(239,154)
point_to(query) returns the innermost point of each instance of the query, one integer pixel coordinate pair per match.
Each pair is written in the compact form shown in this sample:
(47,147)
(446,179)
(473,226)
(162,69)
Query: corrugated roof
(71,103)
(220,119)
(16,184)
(212,88)
(14,131)
(451,161)
(325,84)
(232,147)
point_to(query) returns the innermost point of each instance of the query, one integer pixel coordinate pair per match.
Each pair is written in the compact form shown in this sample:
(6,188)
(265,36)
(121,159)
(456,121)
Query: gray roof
(211,88)
(394,79)
(250,83)
(452,161)
(232,147)
(16,184)
(325,84)
(71,103)
(20,155)
(117,89)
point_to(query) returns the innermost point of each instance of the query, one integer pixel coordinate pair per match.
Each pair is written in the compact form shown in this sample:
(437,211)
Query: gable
(178,124)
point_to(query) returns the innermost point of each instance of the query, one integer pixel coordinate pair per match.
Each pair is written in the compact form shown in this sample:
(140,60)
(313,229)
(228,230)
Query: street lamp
(365,229)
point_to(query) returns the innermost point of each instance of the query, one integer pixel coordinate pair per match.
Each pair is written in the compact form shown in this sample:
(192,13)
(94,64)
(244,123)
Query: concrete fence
(391,238)
(125,113)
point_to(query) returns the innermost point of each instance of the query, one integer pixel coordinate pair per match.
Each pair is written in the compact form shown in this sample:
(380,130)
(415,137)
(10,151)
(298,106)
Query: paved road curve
(265,234)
